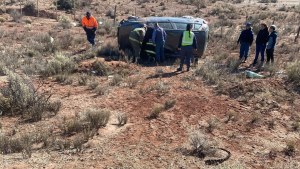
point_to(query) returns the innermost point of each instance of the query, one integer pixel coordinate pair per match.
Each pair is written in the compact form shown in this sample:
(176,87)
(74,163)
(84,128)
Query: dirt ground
(163,142)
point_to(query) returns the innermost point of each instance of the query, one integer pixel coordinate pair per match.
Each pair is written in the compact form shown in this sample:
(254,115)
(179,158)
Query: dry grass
(122,119)
(157,109)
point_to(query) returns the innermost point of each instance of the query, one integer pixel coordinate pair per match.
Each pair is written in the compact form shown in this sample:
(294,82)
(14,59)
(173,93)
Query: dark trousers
(270,55)
(159,50)
(260,49)
(186,56)
(90,36)
(244,50)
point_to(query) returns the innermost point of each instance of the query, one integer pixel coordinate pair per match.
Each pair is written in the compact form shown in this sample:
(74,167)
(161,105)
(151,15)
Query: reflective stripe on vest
(134,40)
(187,40)
(150,51)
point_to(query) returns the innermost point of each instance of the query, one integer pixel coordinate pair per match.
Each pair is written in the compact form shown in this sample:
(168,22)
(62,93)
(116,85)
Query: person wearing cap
(136,38)
(159,37)
(245,40)
(261,42)
(272,39)
(90,25)
(187,44)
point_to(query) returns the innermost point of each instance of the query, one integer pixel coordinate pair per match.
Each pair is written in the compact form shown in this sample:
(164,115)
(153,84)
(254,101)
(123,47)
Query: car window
(181,26)
(197,26)
(165,25)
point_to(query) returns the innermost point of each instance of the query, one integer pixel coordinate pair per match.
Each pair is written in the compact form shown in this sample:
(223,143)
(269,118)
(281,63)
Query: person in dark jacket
(271,44)
(186,45)
(245,39)
(159,37)
(297,36)
(261,42)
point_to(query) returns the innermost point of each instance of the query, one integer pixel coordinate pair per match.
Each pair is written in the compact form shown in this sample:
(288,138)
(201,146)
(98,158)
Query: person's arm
(195,43)
(239,39)
(83,24)
(165,35)
(180,41)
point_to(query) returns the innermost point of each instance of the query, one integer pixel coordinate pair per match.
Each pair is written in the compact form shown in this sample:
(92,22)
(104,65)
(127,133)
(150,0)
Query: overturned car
(174,26)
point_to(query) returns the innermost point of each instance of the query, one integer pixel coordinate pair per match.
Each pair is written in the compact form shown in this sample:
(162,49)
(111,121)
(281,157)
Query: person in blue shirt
(159,37)
(271,44)
(245,40)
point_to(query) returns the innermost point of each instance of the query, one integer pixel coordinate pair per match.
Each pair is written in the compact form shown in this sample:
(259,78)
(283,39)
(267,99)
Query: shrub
(100,68)
(101,90)
(109,48)
(82,80)
(2,20)
(16,144)
(212,125)
(59,64)
(169,104)
(97,117)
(21,98)
(132,82)
(122,119)
(201,145)
(72,126)
(116,80)
(93,85)
(110,13)
(293,72)
(16,16)
(65,22)
(65,4)
(156,111)
(29,6)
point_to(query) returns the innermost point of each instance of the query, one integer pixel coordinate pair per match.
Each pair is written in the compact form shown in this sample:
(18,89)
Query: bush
(122,119)
(116,80)
(29,6)
(97,117)
(293,72)
(65,22)
(20,97)
(100,68)
(169,104)
(156,111)
(59,64)
(65,4)
(17,144)
(2,20)
(72,126)
(201,144)
(16,16)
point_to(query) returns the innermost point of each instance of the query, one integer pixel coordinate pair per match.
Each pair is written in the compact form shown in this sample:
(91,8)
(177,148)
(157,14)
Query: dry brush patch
(20,97)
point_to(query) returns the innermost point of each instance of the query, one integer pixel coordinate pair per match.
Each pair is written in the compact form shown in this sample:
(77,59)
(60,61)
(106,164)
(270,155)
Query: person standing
(187,44)
(271,44)
(261,42)
(136,38)
(90,25)
(159,37)
(245,40)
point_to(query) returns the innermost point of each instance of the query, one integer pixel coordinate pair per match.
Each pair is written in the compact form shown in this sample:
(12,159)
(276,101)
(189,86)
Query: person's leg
(247,48)
(189,54)
(242,51)
(157,51)
(182,58)
(162,52)
(92,38)
(268,56)
(262,51)
(137,54)
(257,51)
(272,55)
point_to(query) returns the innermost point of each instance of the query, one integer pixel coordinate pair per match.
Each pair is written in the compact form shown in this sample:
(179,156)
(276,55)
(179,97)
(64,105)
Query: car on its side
(174,26)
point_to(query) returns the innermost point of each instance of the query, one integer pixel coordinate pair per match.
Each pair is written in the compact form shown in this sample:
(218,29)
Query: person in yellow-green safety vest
(187,44)
(136,38)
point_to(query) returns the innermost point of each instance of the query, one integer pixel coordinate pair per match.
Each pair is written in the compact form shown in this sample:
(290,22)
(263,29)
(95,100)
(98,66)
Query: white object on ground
(251,74)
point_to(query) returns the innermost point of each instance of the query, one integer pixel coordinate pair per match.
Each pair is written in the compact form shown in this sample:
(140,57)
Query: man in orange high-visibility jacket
(90,25)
